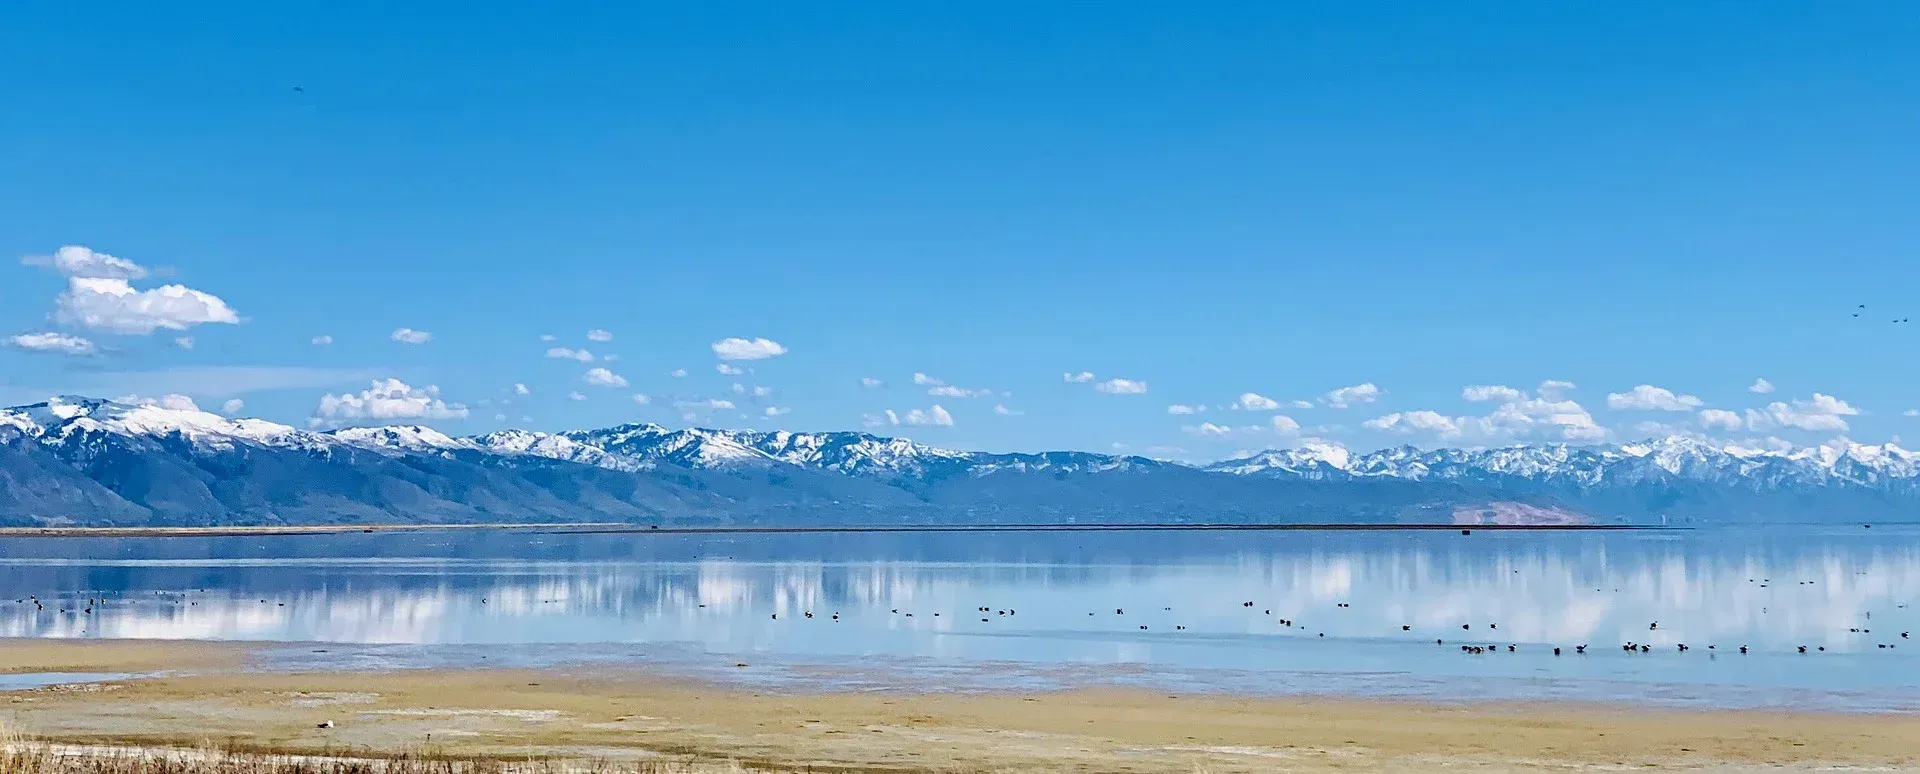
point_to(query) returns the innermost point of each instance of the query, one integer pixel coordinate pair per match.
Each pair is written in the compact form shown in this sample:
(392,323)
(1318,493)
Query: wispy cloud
(747,349)
(411,336)
(1122,387)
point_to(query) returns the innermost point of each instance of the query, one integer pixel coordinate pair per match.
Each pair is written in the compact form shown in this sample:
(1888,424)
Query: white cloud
(1182,409)
(233,406)
(1208,429)
(747,349)
(599,335)
(1301,404)
(739,389)
(1719,419)
(719,404)
(870,382)
(183,342)
(950,391)
(1646,397)
(1285,425)
(1408,422)
(411,336)
(1080,378)
(111,305)
(386,399)
(568,353)
(761,391)
(576,395)
(729,370)
(322,340)
(679,373)
(1910,413)
(601,377)
(936,416)
(77,261)
(499,417)
(1002,410)
(1554,388)
(521,389)
(774,411)
(1354,395)
(923,379)
(642,398)
(547,337)
(59,343)
(171,401)
(1256,402)
(1821,413)
(1486,392)
(1122,387)
(1760,387)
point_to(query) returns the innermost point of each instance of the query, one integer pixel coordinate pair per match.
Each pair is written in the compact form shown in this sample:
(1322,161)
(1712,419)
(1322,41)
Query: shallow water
(908,607)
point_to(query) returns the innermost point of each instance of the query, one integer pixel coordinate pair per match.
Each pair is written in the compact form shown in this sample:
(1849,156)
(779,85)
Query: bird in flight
(297,88)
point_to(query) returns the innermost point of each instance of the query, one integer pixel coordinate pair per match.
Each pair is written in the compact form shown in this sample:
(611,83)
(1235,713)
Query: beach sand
(623,713)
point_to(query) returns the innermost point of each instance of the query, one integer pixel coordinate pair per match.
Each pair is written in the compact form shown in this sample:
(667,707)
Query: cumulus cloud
(55,343)
(183,342)
(1552,418)
(576,395)
(1821,413)
(1486,392)
(1256,402)
(870,382)
(1409,422)
(774,411)
(679,373)
(729,370)
(546,337)
(233,406)
(170,401)
(110,304)
(1556,387)
(521,389)
(569,353)
(1719,419)
(1910,413)
(1285,425)
(761,391)
(935,416)
(387,399)
(599,335)
(323,340)
(642,398)
(1354,395)
(411,336)
(1647,397)
(923,379)
(1301,404)
(1122,387)
(747,349)
(1181,409)
(601,377)
(1002,410)
(1208,429)
(1080,378)
(1760,387)
(81,262)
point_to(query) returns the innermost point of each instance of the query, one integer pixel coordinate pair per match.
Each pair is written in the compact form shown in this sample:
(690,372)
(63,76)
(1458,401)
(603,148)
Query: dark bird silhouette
(1556,651)
(1743,650)
(298,89)
(1803,649)
(1579,648)
(1406,628)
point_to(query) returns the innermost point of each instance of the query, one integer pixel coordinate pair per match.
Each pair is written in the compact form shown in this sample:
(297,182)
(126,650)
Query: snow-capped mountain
(83,460)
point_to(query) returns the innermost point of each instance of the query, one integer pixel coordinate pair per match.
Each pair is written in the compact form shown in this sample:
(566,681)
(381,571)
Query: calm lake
(1163,609)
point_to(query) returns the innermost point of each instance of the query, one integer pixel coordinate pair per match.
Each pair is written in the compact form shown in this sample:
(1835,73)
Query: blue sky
(1270,198)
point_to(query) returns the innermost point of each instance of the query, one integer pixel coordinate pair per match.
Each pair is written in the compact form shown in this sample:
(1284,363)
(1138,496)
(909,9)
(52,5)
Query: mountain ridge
(76,460)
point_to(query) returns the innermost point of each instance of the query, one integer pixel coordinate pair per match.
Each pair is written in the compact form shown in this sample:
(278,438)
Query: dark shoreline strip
(617,529)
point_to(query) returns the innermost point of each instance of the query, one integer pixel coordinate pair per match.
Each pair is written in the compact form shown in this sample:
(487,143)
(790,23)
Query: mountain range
(83,461)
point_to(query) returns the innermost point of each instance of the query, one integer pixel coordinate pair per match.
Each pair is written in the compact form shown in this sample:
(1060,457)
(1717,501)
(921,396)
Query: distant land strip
(618,528)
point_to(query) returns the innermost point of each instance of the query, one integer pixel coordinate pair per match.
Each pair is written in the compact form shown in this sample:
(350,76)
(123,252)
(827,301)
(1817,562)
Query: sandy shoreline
(623,712)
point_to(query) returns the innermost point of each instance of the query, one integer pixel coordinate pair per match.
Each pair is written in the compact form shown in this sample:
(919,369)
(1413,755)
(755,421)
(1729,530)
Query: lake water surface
(1165,609)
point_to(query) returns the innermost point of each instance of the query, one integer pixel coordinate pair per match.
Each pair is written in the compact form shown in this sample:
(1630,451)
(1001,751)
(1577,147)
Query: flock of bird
(1481,647)
(1862,307)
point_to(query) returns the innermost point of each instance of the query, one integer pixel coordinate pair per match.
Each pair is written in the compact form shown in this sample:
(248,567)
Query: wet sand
(625,713)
